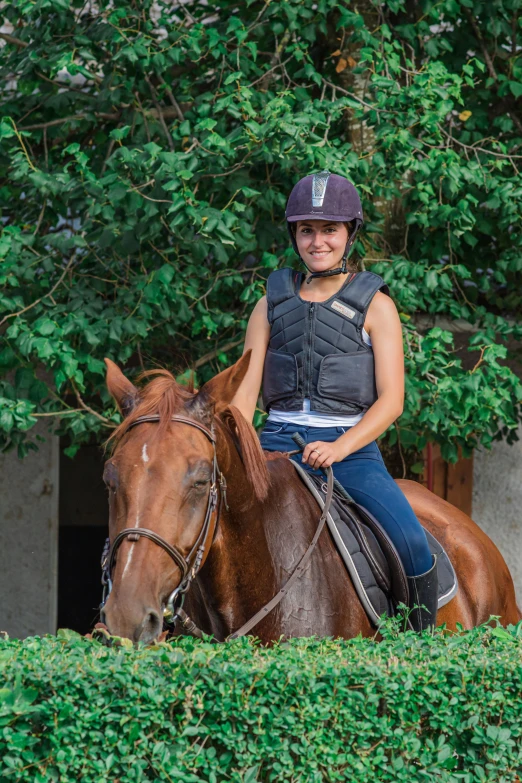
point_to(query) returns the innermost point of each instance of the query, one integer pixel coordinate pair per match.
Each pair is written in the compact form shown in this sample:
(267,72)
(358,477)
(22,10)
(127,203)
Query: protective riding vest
(316,350)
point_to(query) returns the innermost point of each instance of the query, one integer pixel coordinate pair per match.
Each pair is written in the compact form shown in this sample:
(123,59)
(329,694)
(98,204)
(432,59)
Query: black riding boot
(424,593)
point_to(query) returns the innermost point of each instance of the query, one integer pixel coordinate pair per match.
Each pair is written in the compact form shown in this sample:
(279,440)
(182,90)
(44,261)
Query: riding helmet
(325,196)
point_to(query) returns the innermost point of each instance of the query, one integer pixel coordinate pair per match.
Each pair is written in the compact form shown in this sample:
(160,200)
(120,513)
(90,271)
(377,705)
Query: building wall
(497,502)
(29,539)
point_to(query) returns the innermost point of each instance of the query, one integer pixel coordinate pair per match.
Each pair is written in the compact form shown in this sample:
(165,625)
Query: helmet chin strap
(340,270)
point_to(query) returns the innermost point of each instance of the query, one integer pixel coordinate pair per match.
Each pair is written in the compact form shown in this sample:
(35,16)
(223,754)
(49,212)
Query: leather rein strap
(299,569)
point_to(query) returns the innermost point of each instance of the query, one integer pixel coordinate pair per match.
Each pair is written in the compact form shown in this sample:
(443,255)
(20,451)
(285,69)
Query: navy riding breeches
(364,475)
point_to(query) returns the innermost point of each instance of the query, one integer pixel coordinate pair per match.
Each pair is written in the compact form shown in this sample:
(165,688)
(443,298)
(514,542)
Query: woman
(327,349)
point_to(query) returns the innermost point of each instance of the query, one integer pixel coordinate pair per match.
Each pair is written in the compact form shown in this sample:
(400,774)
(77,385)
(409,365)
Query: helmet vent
(319,183)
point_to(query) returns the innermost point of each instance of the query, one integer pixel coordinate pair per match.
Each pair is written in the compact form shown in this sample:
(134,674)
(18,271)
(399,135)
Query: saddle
(369,555)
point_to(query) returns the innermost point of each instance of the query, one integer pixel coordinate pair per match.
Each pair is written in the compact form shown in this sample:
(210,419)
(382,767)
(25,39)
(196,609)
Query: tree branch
(264,76)
(161,114)
(167,113)
(487,57)
(66,412)
(212,355)
(12,40)
(481,359)
(177,107)
(480,39)
(89,409)
(503,155)
(33,304)
(356,98)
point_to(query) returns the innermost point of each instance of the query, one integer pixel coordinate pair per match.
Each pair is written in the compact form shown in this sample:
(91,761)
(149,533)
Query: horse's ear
(123,391)
(217,393)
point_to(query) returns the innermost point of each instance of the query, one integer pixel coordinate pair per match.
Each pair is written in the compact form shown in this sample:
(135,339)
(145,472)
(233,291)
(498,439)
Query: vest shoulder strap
(360,292)
(279,287)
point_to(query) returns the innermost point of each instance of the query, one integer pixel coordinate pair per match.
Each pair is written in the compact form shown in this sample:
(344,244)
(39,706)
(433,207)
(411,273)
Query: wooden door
(453,482)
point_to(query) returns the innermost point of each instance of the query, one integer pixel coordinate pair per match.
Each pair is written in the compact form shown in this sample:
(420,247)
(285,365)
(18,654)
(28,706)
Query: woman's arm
(384,327)
(257,337)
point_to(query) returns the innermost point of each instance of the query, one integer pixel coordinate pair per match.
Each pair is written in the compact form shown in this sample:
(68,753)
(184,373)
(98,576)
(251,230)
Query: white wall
(29,539)
(497,502)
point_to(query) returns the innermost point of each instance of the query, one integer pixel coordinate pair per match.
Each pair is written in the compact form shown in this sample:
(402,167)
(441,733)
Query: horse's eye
(110,476)
(200,483)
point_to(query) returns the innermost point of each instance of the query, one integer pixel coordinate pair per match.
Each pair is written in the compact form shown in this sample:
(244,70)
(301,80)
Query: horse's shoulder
(280,468)
(284,479)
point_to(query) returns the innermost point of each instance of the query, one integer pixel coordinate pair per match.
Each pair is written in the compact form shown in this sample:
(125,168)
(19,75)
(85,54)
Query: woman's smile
(321,240)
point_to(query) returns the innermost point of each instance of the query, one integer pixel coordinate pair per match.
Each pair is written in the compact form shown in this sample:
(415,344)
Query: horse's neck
(238,573)
(256,549)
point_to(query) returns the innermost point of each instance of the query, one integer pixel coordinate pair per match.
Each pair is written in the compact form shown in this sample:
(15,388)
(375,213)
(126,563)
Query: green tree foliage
(409,709)
(147,151)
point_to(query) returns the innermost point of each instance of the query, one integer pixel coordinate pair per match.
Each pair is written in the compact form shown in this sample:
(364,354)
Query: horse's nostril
(151,626)
(153,619)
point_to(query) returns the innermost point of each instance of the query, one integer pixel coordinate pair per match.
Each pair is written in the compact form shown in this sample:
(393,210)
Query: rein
(192,563)
(299,568)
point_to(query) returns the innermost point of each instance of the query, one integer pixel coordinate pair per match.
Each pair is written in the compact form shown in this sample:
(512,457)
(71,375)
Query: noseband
(191,564)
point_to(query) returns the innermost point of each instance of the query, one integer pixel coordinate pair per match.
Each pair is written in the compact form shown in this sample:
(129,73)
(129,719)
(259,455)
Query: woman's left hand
(322,455)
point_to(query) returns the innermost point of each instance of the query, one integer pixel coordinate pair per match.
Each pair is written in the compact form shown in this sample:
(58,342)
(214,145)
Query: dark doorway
(83,529)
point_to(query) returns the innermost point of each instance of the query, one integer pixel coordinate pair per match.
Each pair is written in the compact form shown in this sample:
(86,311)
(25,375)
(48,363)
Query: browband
(183,419)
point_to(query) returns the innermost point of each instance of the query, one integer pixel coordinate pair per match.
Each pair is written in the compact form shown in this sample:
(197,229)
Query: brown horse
(158,478)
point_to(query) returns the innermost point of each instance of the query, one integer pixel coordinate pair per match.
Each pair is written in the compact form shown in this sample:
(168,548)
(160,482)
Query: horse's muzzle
(139,625)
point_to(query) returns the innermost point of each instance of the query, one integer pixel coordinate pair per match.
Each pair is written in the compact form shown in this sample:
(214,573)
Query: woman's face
(321,243)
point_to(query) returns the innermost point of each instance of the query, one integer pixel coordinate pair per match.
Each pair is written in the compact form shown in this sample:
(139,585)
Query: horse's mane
(164,396)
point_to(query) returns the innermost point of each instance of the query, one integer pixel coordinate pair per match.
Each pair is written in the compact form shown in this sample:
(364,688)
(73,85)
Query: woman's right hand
(320,454)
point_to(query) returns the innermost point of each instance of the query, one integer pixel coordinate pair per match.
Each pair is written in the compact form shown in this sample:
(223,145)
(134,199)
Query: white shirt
(308,418)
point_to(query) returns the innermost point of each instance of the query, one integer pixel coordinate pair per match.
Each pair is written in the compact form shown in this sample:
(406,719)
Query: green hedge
(407,709)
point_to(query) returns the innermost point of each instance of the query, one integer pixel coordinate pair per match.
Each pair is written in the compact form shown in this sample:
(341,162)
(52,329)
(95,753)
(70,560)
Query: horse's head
(160,478)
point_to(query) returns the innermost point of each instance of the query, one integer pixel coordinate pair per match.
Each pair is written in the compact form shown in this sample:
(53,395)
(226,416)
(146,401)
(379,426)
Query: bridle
(188,565)
(192,563)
